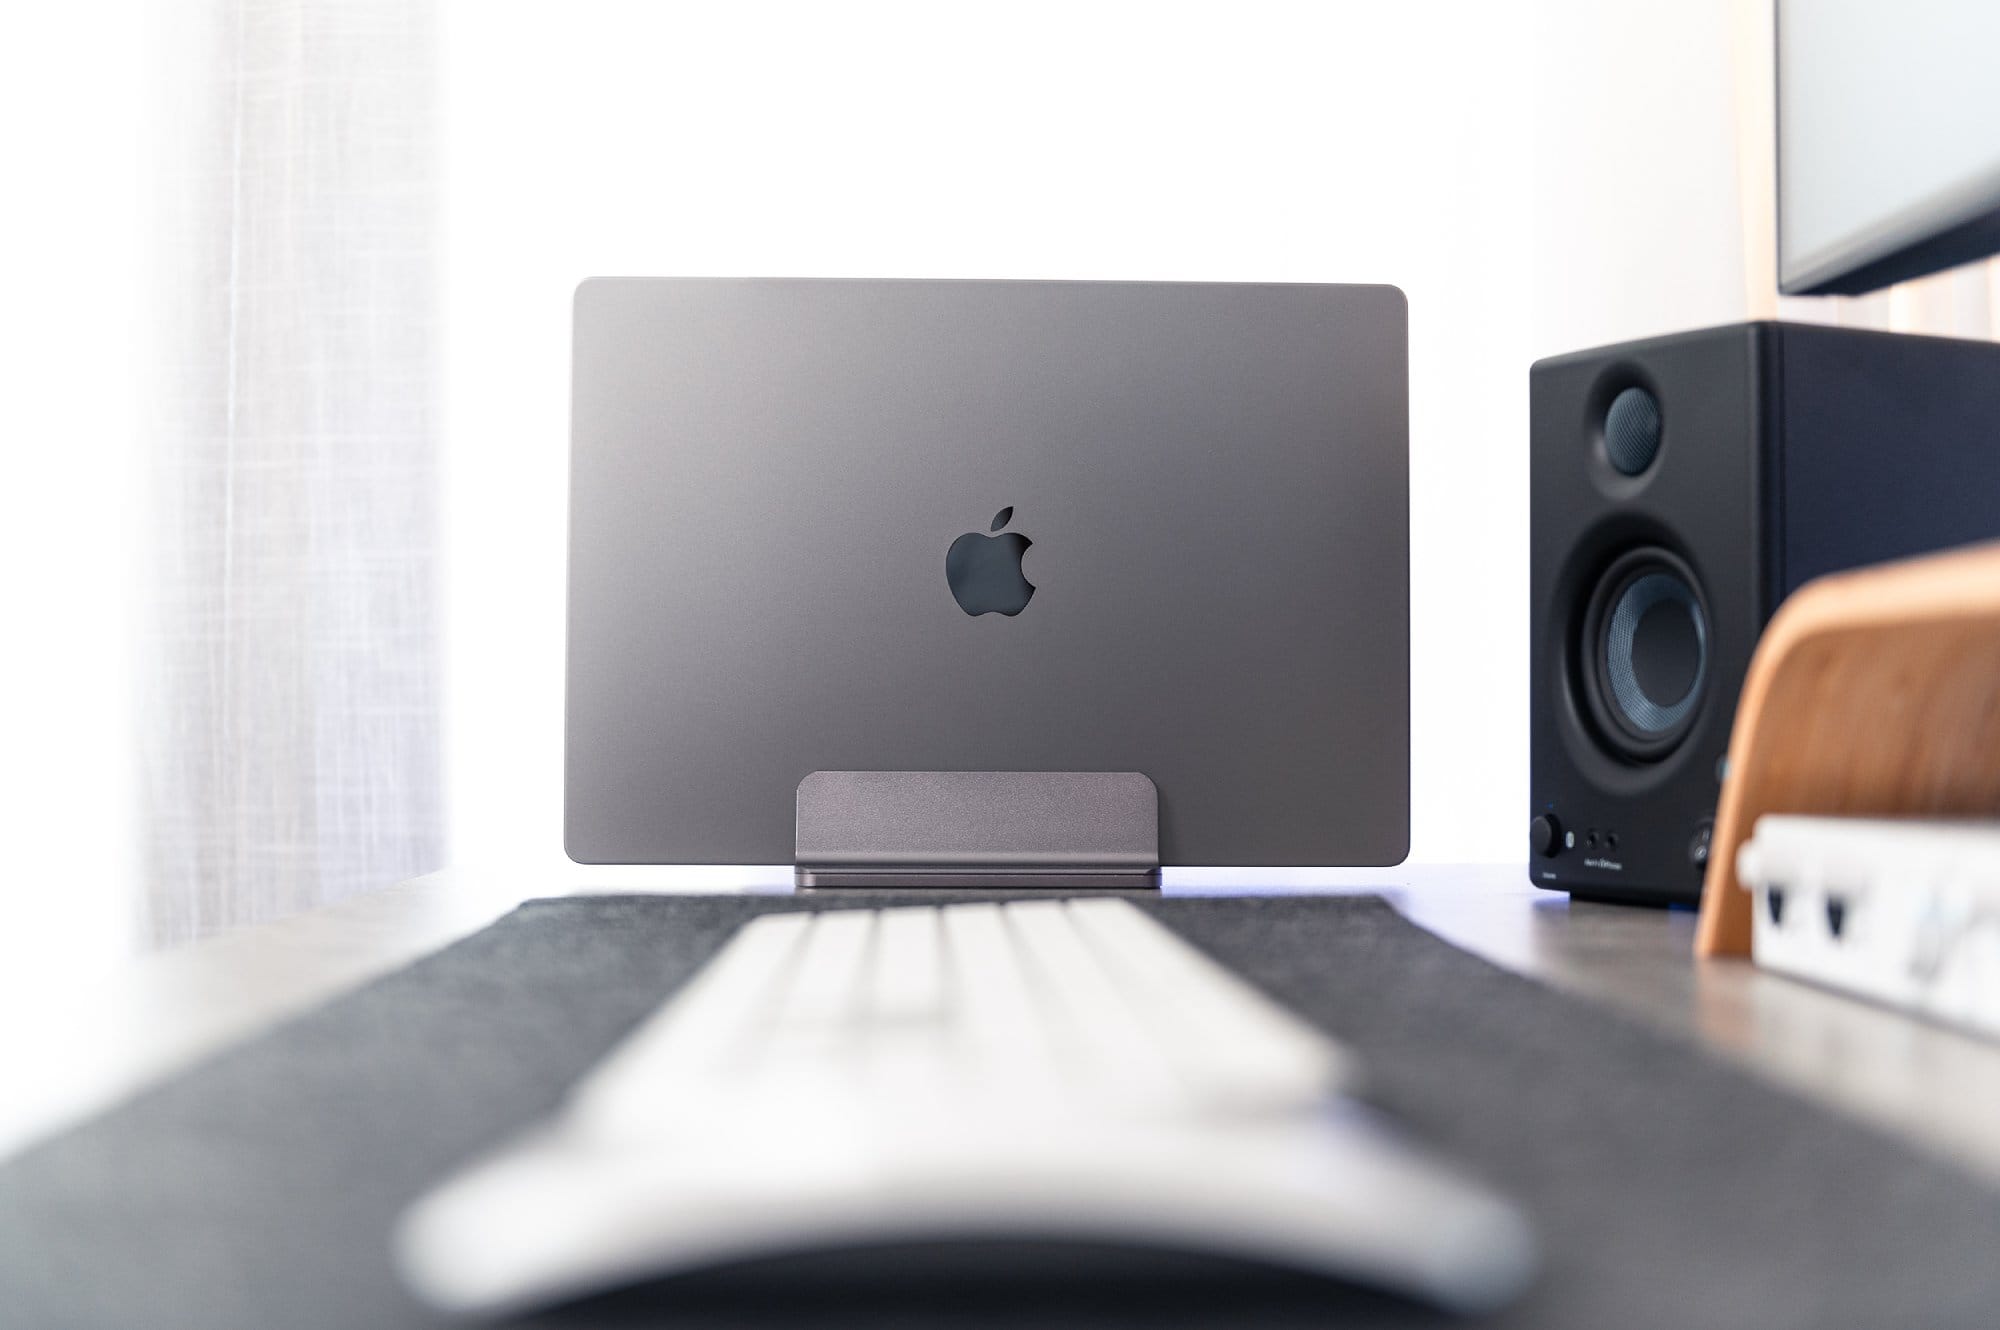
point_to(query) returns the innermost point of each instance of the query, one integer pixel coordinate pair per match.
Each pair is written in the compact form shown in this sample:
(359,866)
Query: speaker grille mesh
(1632,431)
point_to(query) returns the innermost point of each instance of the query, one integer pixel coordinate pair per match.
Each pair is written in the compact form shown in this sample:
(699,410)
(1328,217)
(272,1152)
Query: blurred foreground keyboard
(1047,1070)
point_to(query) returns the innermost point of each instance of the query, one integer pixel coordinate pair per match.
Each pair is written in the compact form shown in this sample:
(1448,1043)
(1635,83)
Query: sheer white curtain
(290,659)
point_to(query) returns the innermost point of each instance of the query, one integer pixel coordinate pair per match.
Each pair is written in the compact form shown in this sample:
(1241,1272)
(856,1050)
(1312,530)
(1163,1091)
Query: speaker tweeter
(1632,428)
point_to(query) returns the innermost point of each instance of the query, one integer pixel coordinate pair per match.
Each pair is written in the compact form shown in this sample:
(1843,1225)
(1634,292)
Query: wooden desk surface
(83,1050)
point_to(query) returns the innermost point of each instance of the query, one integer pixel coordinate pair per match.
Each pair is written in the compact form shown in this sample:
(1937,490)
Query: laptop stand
(1063,829)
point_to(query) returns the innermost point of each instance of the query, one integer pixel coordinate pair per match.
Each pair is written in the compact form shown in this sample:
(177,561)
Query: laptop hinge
(1088,830)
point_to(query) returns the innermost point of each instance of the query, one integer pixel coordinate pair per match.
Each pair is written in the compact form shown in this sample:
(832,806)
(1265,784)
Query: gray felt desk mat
(1669,1189)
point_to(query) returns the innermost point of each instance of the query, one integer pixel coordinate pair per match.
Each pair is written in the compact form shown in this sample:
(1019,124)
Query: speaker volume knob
(1545,836)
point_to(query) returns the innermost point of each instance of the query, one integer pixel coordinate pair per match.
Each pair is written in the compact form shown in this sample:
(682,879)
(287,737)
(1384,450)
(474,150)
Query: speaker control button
(1698,845)
(1545,836)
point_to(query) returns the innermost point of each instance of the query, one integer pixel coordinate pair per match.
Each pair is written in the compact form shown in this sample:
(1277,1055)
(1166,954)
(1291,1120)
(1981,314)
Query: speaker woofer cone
(1645,653)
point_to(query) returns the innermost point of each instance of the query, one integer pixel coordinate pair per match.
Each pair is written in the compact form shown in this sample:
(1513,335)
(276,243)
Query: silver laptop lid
(806,517)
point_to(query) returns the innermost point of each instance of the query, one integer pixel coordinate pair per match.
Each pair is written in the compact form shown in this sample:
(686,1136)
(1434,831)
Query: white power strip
(1906,912)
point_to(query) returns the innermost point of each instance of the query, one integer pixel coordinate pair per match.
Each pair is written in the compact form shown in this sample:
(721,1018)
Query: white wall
(73,82)
(1639,225)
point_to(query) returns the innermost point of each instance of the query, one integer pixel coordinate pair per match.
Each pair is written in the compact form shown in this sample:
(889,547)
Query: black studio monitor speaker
(1681,488)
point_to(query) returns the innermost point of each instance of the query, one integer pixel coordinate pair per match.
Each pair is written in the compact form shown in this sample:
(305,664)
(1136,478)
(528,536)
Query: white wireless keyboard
(1046,1069)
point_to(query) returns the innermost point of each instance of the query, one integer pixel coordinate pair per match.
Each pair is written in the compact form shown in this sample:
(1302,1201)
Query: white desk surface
(84,1050)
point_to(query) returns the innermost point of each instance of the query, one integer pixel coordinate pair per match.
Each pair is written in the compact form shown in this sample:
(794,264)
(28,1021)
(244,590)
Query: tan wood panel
(1871,693)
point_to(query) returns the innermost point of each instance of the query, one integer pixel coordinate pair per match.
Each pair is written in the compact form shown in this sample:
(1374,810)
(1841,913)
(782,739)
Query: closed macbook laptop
(981,525)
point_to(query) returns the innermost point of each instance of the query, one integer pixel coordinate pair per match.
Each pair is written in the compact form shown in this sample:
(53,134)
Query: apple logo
(985,571)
